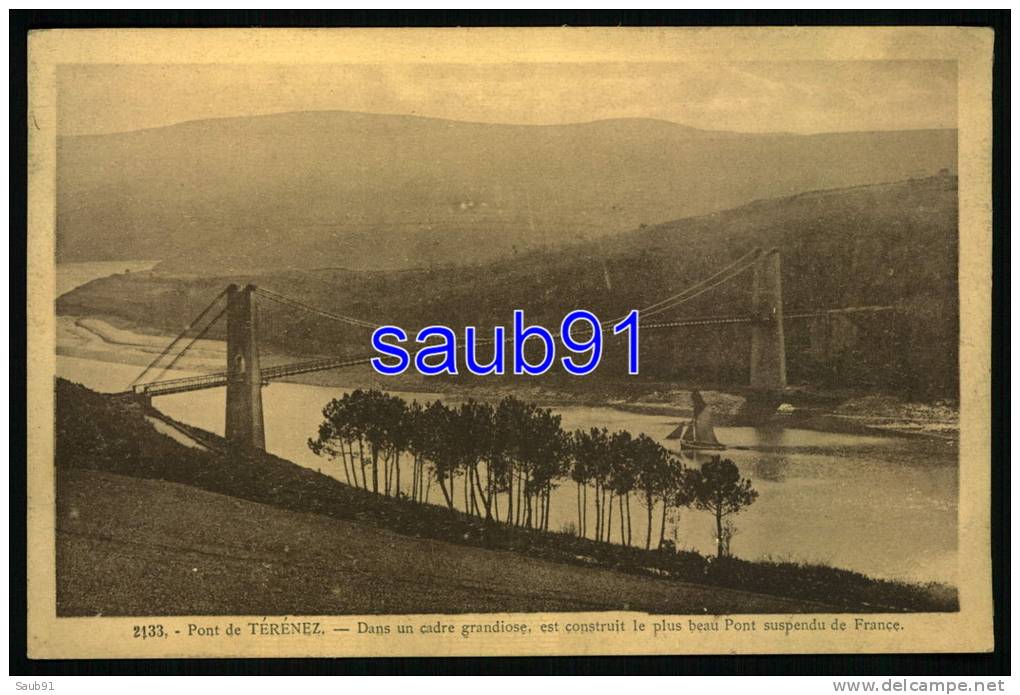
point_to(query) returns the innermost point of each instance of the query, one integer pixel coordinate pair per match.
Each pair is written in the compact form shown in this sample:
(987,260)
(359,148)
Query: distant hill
(891,244)
(366,191)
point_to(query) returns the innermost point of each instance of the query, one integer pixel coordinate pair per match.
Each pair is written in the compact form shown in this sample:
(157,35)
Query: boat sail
(699,433)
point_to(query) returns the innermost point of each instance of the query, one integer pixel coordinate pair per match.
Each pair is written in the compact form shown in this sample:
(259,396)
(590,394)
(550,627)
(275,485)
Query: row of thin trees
(503,462)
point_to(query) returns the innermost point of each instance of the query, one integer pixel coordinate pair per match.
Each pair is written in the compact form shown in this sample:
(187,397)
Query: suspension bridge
(244,376)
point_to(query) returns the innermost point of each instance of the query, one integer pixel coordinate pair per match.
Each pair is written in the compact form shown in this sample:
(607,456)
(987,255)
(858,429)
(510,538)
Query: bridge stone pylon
(768,343)
(245,427)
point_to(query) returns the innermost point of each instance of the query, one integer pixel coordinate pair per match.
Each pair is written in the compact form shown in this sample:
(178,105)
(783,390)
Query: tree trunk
(396,462)
(584,512)
(609,523)
(548,503)
(521,502)
(375,470)
(580,533)
(602,517)
(510,499)
(515,499)
(624,533)
(419,473)
(629,518)
(361,457)
(650,501)
(662,529)
(718,530)
(475,488)
(528,499)
(343,459)
(490,490)
(354,468)
(486,500)
(446,494)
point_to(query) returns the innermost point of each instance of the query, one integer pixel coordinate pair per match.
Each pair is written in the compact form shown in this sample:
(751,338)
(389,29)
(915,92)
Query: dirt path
(128,546)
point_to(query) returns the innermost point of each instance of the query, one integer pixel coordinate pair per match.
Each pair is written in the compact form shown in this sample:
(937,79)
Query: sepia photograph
(522,341)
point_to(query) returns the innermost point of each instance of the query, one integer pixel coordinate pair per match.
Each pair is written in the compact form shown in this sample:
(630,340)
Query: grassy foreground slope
(146,547)
(145,522)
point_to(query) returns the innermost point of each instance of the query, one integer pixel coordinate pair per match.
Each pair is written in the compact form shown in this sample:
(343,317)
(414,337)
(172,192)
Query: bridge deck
(219,379)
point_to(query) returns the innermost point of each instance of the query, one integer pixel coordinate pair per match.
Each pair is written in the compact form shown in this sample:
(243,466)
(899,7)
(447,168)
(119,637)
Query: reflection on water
(880,505)
(772,469)
(777,437)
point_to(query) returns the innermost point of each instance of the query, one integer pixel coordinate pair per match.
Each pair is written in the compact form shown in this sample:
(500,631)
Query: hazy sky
(807,96)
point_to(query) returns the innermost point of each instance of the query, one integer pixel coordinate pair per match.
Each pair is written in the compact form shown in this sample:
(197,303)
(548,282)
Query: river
(885,506)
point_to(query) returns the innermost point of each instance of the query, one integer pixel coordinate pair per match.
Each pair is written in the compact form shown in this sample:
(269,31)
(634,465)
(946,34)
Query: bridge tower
(768,344)
(245,427)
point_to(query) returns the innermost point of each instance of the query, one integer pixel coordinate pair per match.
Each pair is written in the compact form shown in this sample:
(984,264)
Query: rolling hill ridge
(366,191)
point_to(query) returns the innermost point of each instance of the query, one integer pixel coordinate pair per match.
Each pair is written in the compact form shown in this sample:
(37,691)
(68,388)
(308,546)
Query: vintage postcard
(563,341)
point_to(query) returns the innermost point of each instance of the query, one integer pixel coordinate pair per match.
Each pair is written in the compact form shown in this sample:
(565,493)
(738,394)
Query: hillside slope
(368,191)
(893,244)
(127,546)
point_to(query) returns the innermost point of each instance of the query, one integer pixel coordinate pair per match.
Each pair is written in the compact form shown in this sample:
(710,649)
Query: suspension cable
(350,320)
(180,335)
(679,298)
(187,347)
(721,276)
(732,274)
(718,278)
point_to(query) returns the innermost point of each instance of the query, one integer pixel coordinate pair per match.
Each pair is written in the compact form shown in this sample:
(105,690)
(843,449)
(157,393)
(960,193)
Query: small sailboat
(699,439)
(698,434)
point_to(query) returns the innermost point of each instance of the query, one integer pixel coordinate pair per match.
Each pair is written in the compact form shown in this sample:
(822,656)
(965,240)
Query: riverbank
(111,339)
(103,433)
